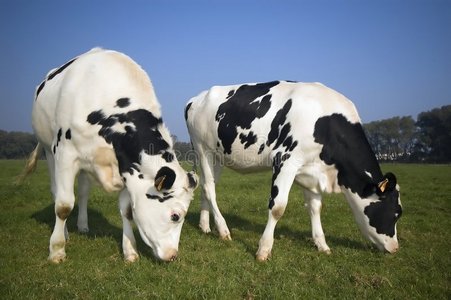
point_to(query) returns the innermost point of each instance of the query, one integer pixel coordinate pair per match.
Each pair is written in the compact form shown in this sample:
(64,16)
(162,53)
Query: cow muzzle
(392,247)
(169,255)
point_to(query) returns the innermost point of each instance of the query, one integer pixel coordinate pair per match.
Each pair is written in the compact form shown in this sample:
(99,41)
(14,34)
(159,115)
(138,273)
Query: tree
(435,134)
(392,139)
(399,138)
(408,135)
(16,144)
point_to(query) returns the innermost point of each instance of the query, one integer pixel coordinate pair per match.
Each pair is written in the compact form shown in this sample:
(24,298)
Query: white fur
(310,101)
(95,81)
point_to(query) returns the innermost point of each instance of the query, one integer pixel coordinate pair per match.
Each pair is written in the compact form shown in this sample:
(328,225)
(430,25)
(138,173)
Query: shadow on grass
(99,227)
(302,238)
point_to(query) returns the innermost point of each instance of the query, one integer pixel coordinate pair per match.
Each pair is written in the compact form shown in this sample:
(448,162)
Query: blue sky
(390,57)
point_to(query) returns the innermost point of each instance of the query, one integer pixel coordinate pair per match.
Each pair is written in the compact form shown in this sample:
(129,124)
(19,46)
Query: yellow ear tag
(159,182)
(382,185)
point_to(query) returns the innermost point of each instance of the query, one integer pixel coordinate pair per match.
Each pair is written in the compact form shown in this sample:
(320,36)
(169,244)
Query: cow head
(378,213)
(374,198)
(160,190)
(159,204)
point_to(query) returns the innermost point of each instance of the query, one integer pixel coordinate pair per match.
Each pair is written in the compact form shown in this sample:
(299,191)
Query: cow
(98,116)
(308,134)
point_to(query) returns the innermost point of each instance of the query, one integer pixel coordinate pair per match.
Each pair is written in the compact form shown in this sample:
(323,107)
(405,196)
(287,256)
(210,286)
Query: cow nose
(392,248)
(170,255)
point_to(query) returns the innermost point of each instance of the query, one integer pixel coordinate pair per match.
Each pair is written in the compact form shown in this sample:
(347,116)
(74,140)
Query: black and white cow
(98,116)
(308,134)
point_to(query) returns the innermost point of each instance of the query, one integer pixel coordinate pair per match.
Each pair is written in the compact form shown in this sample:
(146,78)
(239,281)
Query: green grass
(210,268)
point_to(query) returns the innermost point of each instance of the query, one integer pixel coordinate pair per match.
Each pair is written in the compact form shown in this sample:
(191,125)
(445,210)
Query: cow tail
(32,162)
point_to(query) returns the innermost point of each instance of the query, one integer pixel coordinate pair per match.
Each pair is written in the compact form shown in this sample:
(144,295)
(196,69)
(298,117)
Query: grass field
(209,268)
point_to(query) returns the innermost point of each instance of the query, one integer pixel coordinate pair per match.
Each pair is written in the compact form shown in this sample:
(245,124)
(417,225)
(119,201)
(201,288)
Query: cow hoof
(56,259)
(205,229)
(226,237)
(83,230)
(262,257)
(131,258)
(324,250)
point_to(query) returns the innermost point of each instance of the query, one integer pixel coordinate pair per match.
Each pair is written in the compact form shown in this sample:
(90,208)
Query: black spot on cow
(40,87)
(346,146)
(131,170)
(54,149)
(129,145)
(60,69)
(187,107)
(68,134)
(168,176)
(276,168)
(58,136)
(290,144)
(240,110)
(123,102)
(230,94)
(168,156)
(248,140)
(262,147)
(278,121)
(264,106)
(137,167)
(141,176)
(52,75)
(96,117)
(274,193)
(286,156)
(384,214)
(283,135)
(159,198)
(129,129)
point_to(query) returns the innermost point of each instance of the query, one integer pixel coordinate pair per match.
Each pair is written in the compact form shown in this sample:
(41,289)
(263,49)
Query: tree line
(16,145)
(428,139)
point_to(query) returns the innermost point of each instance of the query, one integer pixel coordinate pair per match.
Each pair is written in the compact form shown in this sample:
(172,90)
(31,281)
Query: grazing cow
(98,115)
(305,132)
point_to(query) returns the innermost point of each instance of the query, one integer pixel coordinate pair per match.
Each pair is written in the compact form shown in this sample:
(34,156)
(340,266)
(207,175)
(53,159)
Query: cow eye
(175,217)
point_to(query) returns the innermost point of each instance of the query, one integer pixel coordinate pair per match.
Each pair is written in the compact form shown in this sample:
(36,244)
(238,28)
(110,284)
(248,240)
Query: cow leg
(66,170)
(283,177)
(211,171)
(84,186)
(51,167)
(313,204)
(206,169)
(204,221)
(128,239)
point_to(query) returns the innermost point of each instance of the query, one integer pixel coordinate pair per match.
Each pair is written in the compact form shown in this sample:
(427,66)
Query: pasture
(209,268)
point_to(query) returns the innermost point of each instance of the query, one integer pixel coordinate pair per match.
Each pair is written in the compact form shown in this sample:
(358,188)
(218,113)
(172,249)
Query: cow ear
(164,179)
(387,184)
